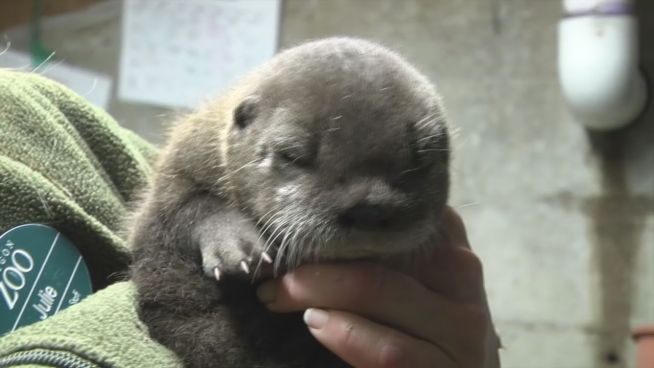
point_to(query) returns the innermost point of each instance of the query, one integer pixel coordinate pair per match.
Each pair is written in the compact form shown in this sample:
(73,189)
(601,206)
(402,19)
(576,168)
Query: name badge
(41,273)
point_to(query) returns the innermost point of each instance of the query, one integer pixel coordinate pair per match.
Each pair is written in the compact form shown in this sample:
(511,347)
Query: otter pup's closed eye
(334,150)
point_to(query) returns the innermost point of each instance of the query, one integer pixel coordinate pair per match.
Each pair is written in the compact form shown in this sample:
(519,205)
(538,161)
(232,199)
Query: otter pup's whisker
(286,245)
(437,135)
(264,217)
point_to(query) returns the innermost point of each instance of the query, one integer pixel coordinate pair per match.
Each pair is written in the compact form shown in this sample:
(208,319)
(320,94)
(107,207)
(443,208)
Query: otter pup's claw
(245,267)
(231,247)
(266,258)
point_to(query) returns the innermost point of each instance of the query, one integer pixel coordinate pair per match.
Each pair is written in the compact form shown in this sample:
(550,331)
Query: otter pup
(334,150)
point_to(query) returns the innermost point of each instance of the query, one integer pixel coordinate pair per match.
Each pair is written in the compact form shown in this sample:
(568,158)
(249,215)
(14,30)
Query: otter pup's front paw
(236,257)
(232,247)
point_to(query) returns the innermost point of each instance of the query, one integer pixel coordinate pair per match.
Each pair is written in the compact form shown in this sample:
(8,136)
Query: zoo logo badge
(41,273)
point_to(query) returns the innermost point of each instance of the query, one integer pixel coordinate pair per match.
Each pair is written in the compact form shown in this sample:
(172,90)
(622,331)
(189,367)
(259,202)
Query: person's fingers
(453,229)
(380,294)
(454,272)
(366,344)
(450,267)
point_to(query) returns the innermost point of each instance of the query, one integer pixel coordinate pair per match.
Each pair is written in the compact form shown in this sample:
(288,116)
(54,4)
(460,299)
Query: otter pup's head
(340,150)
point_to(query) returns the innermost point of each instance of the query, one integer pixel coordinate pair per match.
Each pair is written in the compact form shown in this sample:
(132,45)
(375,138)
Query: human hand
(434,315)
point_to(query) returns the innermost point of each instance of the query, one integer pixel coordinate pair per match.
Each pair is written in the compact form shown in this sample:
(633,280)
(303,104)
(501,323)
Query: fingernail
(315,318)
(267,292)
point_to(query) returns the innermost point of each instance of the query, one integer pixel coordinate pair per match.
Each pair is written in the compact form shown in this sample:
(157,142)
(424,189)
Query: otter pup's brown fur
(335,149)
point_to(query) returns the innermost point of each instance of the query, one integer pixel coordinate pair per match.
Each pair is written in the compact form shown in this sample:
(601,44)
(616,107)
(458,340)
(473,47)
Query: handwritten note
(179,52)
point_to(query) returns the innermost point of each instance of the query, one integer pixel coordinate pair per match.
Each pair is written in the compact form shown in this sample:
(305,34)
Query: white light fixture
(599,63)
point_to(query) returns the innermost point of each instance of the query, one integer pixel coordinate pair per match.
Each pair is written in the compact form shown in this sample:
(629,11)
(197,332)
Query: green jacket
(66,164)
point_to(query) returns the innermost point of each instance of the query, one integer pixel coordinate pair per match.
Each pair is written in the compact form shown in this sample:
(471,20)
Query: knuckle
(476,317)
(473,268)
(349,333)
(366,284)
(392,354)
(472,346)
(455,217)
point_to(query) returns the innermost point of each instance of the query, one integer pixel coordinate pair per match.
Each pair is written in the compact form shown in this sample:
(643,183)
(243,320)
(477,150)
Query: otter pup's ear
(246,111)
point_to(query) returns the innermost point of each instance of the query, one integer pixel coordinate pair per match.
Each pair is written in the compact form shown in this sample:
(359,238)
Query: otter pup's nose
(366,216)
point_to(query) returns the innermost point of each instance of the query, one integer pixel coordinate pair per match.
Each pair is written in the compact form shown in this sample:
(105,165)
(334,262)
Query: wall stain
(496,16)
(617,221)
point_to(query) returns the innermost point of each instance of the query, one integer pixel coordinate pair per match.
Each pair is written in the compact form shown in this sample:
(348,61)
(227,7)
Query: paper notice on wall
(181,52)
(93,86)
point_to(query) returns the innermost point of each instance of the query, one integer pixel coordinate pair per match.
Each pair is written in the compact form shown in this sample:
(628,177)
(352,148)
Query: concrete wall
(563,220)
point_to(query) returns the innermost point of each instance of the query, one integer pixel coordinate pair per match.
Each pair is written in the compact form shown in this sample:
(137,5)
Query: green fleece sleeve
(67,164)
